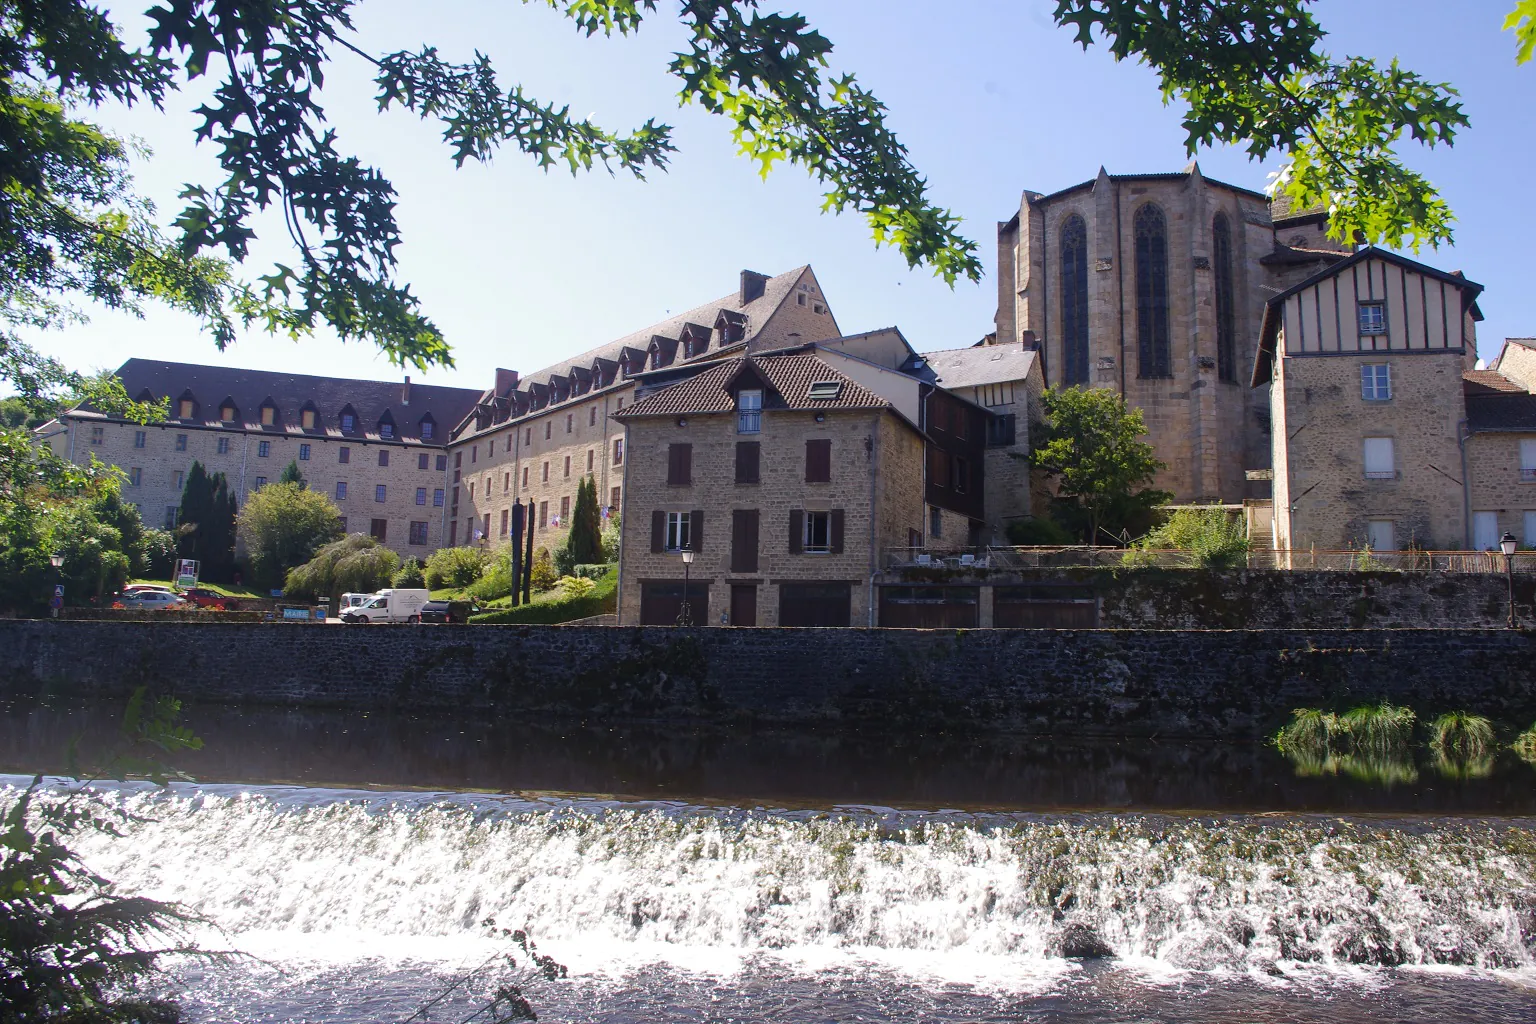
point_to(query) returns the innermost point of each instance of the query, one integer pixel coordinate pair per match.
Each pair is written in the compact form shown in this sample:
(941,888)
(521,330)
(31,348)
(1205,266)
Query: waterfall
(1238,894)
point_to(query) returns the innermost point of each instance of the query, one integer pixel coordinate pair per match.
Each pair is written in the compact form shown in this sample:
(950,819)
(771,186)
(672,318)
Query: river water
(783,877)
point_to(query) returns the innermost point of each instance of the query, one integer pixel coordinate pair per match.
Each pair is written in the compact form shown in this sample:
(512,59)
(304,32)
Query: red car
(202,597)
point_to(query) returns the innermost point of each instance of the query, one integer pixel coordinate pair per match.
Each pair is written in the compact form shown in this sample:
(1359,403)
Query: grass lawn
(555,606)
(227,591)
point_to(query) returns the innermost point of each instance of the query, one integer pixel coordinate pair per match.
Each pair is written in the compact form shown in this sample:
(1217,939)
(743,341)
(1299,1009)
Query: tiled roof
(1481,382)
(1496,411)
(789,374)
(370,400)
(973,366)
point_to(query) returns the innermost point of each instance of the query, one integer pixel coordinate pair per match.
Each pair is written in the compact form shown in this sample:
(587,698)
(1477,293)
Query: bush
(576,586)
(411,576)
(496,580)
(1309,731)
(1525,745)
(611,533)
(544,576)
(595,571)
(159,554)
(1039,532)
(356,564)
(455,567)
(564,560)
(1460,734)
(1378,728)
(1214,537)
(601,600)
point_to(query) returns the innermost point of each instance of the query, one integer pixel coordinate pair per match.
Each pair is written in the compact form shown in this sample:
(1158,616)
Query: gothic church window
(1074,301)
(1226,330)
(1153,349)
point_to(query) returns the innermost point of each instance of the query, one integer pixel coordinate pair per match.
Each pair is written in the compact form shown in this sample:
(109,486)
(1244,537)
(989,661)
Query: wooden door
(743,604)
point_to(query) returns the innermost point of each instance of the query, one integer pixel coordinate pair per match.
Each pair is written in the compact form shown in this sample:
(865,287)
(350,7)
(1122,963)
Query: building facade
(1154,285)
(1501,447)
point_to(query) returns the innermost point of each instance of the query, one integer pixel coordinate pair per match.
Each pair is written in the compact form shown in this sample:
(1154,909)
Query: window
(474,454)
(171,512)
(423,460)
(749,412)
(544,513)
(818,461)
(613,498)
(383,457)
(263,449)
(818,533)
(565,509)
(1373,318)
(341,490)
(99,434)
(680,464)
(567,467)
(748,462)
(184,409)
(993,395)
(1074,301)
(303,453)
(1530,528)
(1379,463)
(223,446)
(307,419)
(344,456)
(527,436)
(959,474)
(525,476)
(546,472)
(506,482)
(1528,460)
(421,495)
(261,482)
(621,401)
(1226,329)
(549,427)
(677,531)
(800,298)
(487,485)
(418,532)
(453,533)
(140,439)
(136,476)
(458,459)
(592,416)
(386,430)
(1002,430)
(378,492)
(591,455)
(437,497)
(181,442)
(1375,382)
(1381,534)
(618,451)
(455,501)
(179,479)
(570,421)
(227,413)
(378,529)
(348,423)
(442,463)
(504,514)
(268,416)
(1152,334)
(471,490)
(935,523)
(426,430)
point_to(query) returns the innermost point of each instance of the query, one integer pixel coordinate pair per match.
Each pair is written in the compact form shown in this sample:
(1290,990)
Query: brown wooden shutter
(696,529)
(679,463)
(818,461)
(837,531)
(748,455)
(796,530)
(658,531)
(744,540)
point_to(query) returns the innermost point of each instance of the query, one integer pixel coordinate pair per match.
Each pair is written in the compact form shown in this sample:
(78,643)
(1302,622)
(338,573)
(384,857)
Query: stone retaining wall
(1133,682)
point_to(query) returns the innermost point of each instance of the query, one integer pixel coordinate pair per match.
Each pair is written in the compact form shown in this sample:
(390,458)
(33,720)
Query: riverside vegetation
(1374,742)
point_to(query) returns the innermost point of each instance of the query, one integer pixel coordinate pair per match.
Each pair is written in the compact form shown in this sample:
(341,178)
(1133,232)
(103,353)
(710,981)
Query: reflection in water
(785,767)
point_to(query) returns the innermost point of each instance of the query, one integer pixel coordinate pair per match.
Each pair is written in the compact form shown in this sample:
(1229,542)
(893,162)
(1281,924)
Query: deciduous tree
(284,526)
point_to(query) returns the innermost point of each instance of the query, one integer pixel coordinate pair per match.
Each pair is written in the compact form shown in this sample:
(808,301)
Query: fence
(993,558)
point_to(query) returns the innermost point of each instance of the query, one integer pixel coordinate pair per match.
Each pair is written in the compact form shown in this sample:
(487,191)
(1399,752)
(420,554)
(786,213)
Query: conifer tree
(586,540)
(196,509)
(291,475)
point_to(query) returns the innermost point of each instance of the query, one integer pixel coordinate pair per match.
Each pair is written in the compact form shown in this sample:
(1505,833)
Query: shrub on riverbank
(1525,745)
(1459,734)
(1378,727)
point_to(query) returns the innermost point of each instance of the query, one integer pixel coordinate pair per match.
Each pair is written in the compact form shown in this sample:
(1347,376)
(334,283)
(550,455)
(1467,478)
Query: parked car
(389,606)
(153,600)
(134,588)
(206,598)
(352,601)
(448,611)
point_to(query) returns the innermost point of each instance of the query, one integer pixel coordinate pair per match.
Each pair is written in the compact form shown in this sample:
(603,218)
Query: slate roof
(1291,255)
(789,374)
(973,366)
(372,401)
(1502,412)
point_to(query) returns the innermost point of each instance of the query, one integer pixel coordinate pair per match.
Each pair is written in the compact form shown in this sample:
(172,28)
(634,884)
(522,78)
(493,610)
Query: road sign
(56,602)
(58,590)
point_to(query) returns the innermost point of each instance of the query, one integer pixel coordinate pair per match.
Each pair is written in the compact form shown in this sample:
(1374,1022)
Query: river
(359,863)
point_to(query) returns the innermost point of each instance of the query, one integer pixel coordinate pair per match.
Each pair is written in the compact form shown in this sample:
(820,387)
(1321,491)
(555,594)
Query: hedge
(603,600)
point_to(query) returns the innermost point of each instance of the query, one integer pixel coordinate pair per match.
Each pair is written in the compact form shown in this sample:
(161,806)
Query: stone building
(1366,366)
(1155,285)
(379,449)
(534,437)
(787,478)
(1501,447)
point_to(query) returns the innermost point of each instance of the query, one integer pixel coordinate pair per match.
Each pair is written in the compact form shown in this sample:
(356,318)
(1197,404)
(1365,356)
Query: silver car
(152,600)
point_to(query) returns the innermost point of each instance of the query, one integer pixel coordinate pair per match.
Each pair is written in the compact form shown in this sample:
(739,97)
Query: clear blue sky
(522,268)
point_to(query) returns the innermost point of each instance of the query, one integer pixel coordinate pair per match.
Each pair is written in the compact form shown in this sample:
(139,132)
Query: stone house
(1365,363)
(787,479)
(378,448)
(534,437)
(1154,285)
(1501,447)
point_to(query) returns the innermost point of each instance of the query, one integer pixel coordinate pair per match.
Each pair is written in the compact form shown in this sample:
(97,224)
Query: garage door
(929,607)
(814,604)
(1044,608)
(660,603)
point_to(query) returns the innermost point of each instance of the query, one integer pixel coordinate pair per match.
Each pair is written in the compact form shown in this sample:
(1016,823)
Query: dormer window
(268,414)
(826,390)
(184,409)
(427,427)
(749,411)
(386,429)
(227,413)
(307,419)
(348,421)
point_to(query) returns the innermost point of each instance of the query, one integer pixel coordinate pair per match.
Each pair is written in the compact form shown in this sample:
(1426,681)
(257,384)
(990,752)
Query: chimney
(506,380)
(753,285)
(405,391)
(1029,342)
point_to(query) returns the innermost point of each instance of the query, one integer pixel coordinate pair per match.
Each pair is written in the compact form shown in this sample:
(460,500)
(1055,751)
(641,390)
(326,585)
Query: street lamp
(1507,545)
(57,561)
(685,614)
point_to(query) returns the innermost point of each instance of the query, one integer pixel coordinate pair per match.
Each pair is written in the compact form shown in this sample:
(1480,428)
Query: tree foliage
(284,525)
(455,567)
(206,524)
(585,541)
(355,564)
(1091,446)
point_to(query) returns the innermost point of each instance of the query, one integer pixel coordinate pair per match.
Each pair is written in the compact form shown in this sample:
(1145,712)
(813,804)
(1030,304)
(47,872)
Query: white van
(389,606)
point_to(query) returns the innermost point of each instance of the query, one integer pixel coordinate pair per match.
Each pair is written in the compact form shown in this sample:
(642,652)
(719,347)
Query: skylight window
(826,390)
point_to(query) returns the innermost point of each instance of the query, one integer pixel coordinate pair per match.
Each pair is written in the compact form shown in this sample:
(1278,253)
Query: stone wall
(1213,684)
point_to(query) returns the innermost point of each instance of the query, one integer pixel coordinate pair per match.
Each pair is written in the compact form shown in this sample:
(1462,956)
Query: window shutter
(837,531)
(658,531)
(744,540)
(818,461)
(796,530)
(748,454)
(679,463)
(696,529)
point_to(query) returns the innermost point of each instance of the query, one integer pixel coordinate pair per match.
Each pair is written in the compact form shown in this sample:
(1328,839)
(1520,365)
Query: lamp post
(57,561)
(685,613)
(1507,545)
